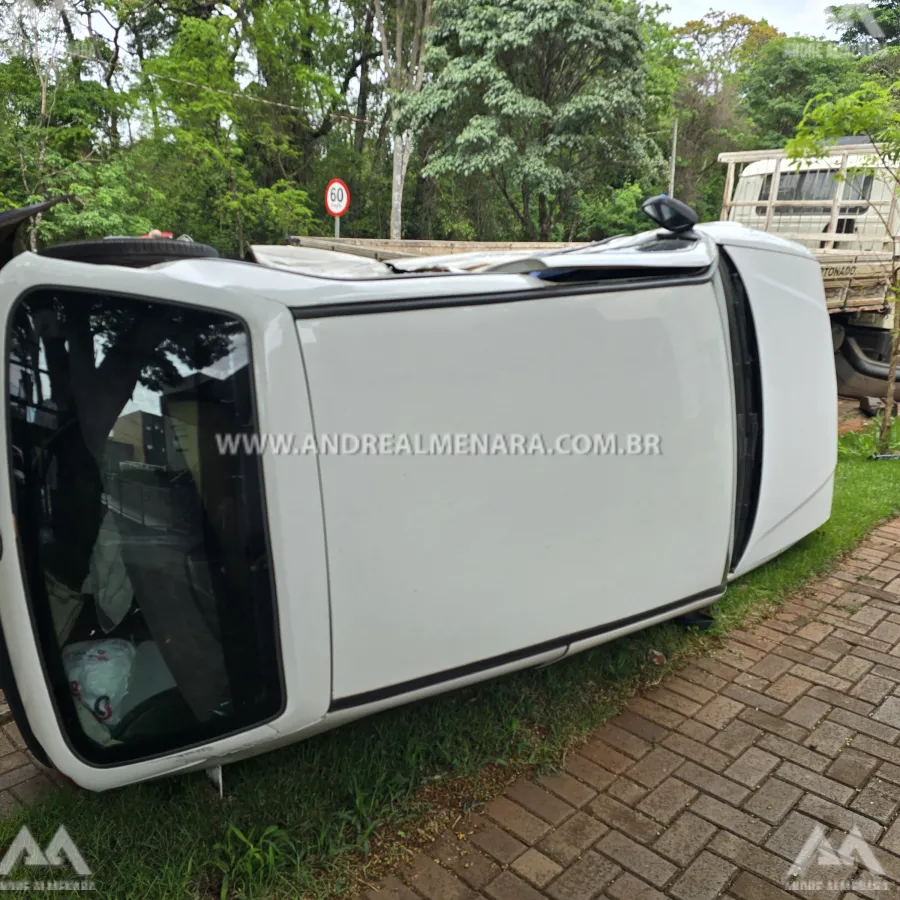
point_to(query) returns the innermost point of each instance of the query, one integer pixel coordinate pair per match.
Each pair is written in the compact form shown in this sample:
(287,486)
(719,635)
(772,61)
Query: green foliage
(615,212)
(539,96)
(779,80)
(542,119)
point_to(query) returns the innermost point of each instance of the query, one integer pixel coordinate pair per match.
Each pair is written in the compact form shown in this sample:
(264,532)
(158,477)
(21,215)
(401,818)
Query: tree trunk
(544,220)
(402,147)
(362,101)
(884,437)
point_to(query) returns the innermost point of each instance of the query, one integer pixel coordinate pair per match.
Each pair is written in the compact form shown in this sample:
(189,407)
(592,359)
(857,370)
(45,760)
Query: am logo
(60,849)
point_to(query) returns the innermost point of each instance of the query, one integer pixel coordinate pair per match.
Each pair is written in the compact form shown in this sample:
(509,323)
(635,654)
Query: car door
(148,575)
(463,555)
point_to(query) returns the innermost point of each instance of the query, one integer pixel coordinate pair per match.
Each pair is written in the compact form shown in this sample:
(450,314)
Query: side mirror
(669,213)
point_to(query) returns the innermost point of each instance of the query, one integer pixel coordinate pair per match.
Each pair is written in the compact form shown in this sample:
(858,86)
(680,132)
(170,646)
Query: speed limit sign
(337,197)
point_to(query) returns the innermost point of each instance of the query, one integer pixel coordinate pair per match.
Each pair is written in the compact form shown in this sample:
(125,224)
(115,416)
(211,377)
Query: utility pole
(672,161)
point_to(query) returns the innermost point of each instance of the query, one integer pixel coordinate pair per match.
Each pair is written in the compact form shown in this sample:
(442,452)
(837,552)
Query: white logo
(819,851)
(860,14)
(60,853)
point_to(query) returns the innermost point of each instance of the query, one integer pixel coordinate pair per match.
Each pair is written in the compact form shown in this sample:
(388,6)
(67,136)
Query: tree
(404,37)
(873,111)
(867,26)
(539,95)
(779,79)
(708,101)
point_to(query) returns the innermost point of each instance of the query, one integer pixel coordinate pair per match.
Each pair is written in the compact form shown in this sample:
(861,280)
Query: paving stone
(771,667)
(516,820)
(842,700)
(803,756)
(701,753)
(628,820)
(774,725)
(791,835)
(627,887)
(636,858)
(735,738)
(749,887)
(568,788)
(773,800)
(872,689)
(719,712)
(435,882)
(603,755)
(693,692)
(705,878)
(891,840)
(627,791)
(838,816)
(539,802)
(754,699)
(788,688)
(878,800)
(643,728)
(724,788)
(821,678)
(864,725)
(536,868)
(584,879)
(464,860)
(17,776)
(496,843)
(830,738)
(807,712)
(851,668)
(868,615)
(583,769)
(566,843)
(655,767)
(818,784)
(815,632)
(623,741)
(508,886)
(667,801)
(728,817)
(673,701)
(684,839)
(852,767)
(34,789)
(696,731)
(708,673)
(752,767)
(748,856)
(655,713)
(889,712)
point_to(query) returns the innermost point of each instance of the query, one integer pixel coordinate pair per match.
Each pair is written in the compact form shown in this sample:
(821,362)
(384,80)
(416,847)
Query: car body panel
(398,576)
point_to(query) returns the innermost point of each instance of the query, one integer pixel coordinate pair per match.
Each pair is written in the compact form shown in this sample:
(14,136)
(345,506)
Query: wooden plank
(773,193)
(727,197)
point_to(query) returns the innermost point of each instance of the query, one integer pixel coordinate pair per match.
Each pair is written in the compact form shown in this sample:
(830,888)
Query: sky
(790,16)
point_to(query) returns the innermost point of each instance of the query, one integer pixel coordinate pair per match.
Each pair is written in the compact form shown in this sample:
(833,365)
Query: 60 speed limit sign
(337,197)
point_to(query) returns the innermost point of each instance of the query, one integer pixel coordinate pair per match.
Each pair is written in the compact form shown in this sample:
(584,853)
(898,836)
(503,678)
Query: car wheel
(135,252)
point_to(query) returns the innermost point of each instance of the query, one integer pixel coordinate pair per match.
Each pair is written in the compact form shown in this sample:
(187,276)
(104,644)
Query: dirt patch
(849,416)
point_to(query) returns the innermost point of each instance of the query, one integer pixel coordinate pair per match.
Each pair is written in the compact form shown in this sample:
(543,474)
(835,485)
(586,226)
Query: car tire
(134,252)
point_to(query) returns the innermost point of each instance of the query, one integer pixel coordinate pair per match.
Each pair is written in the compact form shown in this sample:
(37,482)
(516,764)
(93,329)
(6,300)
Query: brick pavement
(708,785)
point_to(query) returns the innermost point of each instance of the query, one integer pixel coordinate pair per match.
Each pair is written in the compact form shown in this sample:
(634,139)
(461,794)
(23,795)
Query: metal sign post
(337,202)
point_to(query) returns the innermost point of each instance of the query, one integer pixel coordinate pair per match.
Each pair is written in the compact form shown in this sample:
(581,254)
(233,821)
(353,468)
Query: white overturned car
(246,502)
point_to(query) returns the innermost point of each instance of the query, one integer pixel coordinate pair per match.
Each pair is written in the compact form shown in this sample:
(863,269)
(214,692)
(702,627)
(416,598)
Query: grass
(301,821)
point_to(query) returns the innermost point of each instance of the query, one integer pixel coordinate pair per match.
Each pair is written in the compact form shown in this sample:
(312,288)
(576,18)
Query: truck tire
(134,252)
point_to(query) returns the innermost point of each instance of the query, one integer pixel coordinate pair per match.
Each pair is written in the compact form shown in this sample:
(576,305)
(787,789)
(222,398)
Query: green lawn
(298,820)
